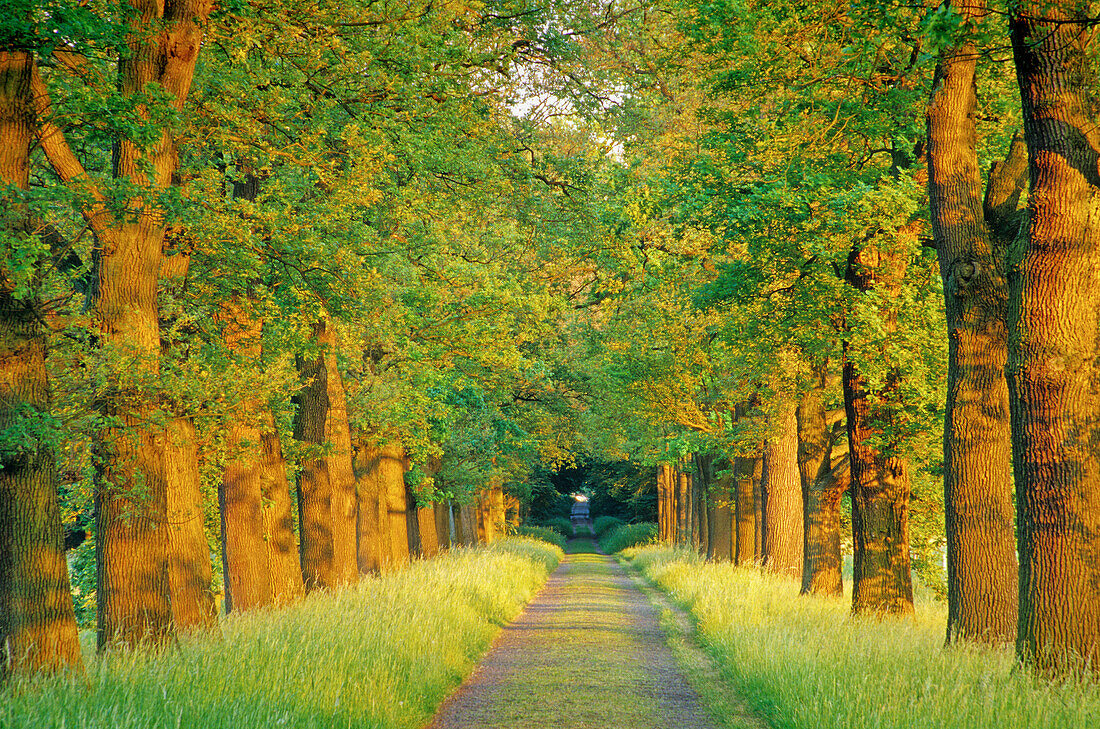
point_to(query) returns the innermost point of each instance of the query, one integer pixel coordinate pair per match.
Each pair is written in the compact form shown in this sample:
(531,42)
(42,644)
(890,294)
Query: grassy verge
(382,654)
(805,662)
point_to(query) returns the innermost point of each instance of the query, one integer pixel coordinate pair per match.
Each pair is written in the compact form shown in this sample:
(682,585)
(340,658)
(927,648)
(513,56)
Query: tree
(37,624)
(783,530)
(970,239)
(1053,357)
(155,68)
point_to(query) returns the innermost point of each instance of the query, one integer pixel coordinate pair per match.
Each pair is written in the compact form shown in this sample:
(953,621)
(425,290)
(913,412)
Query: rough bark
(821,494)
(314,486)
(190,574)
(981,550)
(1054,341)
(37,624)
(245,564)
(744,552)
(372,548)
(783,493)
(429,537)
(163,43)
(282,544)
(391,471)
(338,463)
(880,489)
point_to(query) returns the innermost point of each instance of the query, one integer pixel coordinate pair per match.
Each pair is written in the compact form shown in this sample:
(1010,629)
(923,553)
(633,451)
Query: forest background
(465,245)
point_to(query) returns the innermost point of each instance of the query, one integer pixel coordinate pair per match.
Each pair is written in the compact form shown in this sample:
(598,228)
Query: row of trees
(277,288)
(832,165)
(263,242)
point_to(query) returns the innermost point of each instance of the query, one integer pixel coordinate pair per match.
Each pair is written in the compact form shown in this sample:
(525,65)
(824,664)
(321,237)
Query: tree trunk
(282,546)
(392,475)
(821,494)
(683,505)
(245,558)
(1054,340)
(338,463)
(442,511)
(783,495)
(371,539)
(882,576)
(701,466)
(721,512)
(665,503)
(190,574)
(131,504)
(37,623)
(981,552)
(744,551)
(760,509)
(429,538)
(314,485)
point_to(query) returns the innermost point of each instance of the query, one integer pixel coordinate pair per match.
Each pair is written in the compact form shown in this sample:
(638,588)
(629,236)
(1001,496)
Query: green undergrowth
(384,653)
(626,536)
(807,663)
(546,534)
(604,524)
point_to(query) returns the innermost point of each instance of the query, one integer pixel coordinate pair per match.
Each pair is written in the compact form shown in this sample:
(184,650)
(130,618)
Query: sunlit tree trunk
(163,43)
(338,463)
(391,470)
(282,544)
(190,574)
(666,504)
(683,505)
(783,495)
(37,624)
(822,489)
(372,542)
(1054,341)
(981,550)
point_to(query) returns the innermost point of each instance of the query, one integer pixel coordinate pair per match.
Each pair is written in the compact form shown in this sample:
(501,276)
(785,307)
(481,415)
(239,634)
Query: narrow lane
(587,652)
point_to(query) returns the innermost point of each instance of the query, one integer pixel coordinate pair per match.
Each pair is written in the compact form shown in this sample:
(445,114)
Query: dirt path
(589,651)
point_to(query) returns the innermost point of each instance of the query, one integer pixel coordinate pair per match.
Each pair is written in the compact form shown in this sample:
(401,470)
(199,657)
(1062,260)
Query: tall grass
(806,662)
(381,654)
(626,536)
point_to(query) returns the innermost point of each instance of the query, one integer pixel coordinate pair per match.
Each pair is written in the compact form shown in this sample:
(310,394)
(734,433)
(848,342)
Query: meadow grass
(383,653)
(807,663)
(625,536)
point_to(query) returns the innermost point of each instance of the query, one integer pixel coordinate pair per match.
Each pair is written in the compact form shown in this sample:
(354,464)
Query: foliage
(602,524)
(804,662)
(397,658)
(545,534)
(627,536)
(561,525)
